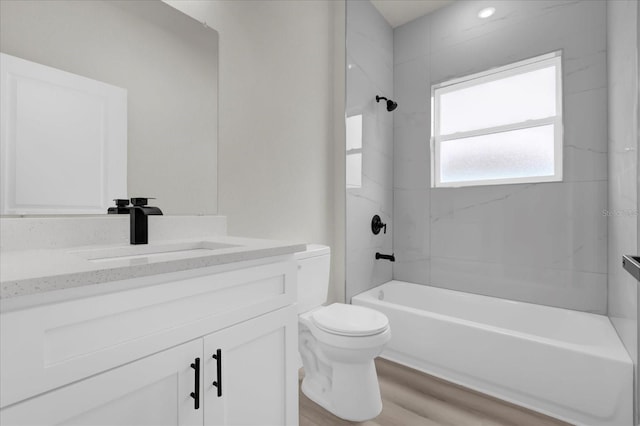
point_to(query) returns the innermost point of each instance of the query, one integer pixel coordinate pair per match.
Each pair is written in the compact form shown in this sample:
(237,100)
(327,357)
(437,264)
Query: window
(500,126)
(354,151)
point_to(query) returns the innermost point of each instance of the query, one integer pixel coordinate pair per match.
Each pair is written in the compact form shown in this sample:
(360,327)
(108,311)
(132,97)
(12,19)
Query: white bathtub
(567,364)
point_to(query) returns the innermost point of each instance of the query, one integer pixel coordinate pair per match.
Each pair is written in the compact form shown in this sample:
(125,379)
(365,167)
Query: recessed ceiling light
(349,66)
(486,12)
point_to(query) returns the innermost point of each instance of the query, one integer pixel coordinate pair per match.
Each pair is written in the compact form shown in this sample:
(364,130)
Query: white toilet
(337,343)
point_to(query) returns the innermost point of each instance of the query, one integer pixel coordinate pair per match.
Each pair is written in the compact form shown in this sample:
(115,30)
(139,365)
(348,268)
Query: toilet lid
(350,320)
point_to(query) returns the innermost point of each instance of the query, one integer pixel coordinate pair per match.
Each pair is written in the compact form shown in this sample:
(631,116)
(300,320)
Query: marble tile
(377,65)
(411,239)
(623,305)
(411,143)
(364,19)
(624,224)
(414,119)
(537,20)
(584,74)
(377,133)
(413,173)
(412,86)
(411,140)
(556,225)
(411,40)
(584,55)
(363,270)
(370,52)
(411,157)
(416,271)
(569,289)
(362,274)
(412,223)
(370,45)
(379,198)
(585,136)
(361,99)
(544,243)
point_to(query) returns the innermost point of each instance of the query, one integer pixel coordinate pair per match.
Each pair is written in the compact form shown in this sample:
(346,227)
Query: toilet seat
(349,320)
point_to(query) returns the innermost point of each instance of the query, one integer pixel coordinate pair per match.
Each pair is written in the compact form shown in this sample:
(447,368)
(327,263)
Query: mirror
(167,62)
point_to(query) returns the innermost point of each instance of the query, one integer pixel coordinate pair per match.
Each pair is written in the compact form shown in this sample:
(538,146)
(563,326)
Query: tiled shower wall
(369,73)
(543,243)
(623,168)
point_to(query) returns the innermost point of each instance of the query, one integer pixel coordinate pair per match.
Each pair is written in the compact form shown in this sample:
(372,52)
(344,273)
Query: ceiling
(398,12)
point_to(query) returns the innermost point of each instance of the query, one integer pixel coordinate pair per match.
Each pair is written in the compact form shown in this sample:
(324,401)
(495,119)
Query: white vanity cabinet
(252,371)
(151,391)
(144,356)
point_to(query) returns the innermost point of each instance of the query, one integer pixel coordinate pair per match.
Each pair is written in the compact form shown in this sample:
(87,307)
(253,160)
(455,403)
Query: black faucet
(139,222)
(138,217)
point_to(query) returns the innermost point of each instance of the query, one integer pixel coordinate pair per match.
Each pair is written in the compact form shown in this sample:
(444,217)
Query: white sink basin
(155,252)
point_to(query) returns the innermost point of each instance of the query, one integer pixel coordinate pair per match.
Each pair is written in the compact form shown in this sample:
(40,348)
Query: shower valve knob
(377,225)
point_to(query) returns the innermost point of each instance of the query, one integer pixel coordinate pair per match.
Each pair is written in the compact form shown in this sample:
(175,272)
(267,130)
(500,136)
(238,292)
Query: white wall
(622,51)
(543,243)
(370,57)
(168,64)
(279,103)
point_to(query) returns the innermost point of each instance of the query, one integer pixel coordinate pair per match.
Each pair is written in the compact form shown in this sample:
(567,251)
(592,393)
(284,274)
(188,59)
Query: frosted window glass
(354,170)
(354,132)
(514,99)
(514,154)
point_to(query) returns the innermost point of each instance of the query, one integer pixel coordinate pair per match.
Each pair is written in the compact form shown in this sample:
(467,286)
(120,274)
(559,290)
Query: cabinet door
(258,382)
(151,391)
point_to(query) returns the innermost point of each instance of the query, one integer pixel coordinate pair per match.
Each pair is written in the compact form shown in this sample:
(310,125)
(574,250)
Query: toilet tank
(313,276)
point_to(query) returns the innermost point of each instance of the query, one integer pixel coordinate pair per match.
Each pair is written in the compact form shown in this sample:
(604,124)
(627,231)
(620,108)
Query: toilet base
(354,393)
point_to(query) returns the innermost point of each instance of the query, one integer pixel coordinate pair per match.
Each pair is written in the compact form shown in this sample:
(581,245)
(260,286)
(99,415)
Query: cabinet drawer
(48,346)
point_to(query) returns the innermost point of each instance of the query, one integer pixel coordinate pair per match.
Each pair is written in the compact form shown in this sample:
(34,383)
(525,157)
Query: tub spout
(389,257)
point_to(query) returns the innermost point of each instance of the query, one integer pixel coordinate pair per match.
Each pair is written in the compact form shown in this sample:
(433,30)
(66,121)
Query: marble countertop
(29,272)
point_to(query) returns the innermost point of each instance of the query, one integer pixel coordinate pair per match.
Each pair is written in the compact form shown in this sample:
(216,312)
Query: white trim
(501,69)
(528,65)
(498,129)
(505,181)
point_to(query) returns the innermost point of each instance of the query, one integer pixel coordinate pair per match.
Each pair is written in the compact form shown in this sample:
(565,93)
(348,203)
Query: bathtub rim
(487,387)
(617,354)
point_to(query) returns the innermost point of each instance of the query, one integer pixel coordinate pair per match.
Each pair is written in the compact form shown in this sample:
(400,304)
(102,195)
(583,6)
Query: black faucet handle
(121,202)
(377,225)
(139,201)
(120,208)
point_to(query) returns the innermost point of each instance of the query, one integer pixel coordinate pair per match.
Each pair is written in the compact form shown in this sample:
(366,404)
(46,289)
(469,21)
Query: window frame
(494,74)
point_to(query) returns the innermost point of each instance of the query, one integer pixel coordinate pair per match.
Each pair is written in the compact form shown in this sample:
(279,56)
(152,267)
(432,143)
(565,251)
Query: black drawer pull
(196,394)
(218,383)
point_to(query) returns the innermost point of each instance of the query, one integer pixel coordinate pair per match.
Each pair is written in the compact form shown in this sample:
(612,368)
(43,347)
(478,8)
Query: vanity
(194,327)
(191,331)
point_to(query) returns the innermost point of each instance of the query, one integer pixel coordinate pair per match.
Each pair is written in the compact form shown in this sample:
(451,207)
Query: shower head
(390,104)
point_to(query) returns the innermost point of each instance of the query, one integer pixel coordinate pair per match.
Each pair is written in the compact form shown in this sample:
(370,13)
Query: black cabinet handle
(196,394)
(218,383)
